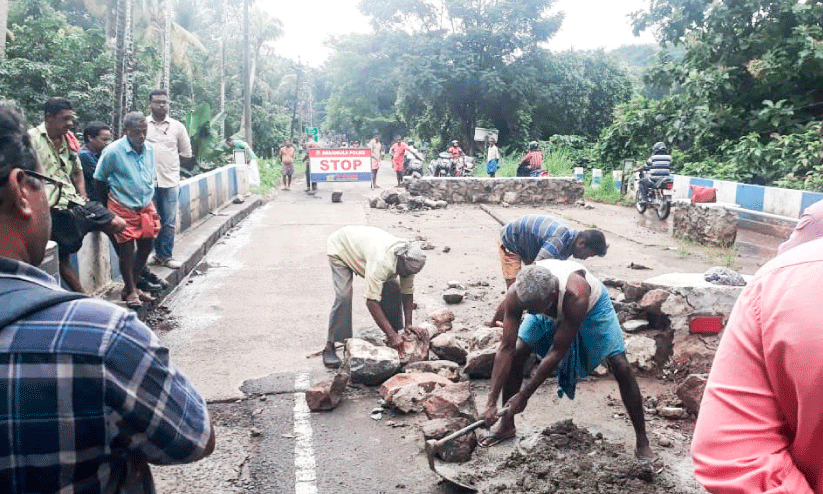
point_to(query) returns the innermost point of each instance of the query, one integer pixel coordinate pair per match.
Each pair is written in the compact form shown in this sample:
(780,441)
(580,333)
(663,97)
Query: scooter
(441,166)
(412,166)
(660,195)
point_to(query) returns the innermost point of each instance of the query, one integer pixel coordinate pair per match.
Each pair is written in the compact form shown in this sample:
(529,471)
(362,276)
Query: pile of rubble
(400,200)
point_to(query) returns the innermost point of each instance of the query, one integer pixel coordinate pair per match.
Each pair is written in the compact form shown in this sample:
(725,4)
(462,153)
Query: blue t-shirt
(130,175)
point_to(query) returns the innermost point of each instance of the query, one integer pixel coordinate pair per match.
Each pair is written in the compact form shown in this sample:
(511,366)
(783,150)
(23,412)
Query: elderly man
(172,146)
(127,168)
(89,395)
(533,237)
(380,258)
(72,215)
(572,325)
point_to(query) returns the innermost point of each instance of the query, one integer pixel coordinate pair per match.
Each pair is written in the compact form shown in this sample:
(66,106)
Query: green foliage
(208,149)
(605,193)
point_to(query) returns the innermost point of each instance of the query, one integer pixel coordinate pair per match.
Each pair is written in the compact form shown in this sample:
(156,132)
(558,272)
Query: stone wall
(705,223)
(511,190)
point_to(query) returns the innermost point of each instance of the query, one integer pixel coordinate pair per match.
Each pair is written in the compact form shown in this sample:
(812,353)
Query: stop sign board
(340,165)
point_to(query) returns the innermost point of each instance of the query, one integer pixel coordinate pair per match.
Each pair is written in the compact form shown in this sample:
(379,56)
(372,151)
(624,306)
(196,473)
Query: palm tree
(121,50)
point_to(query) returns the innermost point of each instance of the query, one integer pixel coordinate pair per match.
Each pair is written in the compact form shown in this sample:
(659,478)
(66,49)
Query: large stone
(704,223)
(635,325)
(446,346)
(446,368)
(653,300)
(453,296)
(390,196)
(431,329)
(327,394)
(485,338)
(369,364)
(691,391)
(407,391)
(457,450)
(640,352)
(373,335)
(479,363)
(454,400)
(415,349)
(442,319)
(633,291)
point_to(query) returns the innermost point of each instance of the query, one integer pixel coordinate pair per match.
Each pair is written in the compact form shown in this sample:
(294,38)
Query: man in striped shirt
(88,396)
(533,237)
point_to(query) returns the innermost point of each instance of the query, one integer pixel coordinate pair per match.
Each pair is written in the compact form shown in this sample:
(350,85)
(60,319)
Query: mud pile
(566,459)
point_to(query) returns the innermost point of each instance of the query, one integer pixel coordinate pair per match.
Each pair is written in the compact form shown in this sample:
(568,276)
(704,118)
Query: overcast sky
(589,24)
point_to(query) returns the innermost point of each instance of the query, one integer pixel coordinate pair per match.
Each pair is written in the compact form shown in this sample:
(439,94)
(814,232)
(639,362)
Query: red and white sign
(340,165)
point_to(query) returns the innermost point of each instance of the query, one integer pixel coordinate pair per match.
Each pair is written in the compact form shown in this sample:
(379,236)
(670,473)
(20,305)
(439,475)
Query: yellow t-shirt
(369,252)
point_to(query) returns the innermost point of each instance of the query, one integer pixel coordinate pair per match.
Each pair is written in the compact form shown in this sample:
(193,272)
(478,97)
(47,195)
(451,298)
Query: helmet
(410,142)
(533,145)
(658,147)
(454,142)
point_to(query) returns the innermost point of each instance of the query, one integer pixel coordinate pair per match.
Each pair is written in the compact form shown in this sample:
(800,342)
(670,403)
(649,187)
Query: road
(246,319)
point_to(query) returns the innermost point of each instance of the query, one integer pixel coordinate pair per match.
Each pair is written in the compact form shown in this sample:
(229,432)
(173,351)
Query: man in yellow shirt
(380,258)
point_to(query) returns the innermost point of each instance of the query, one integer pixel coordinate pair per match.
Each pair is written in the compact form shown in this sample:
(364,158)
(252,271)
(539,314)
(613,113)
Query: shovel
(434,446)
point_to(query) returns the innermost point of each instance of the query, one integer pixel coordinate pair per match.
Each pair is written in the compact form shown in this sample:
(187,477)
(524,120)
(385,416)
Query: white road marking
(305,474)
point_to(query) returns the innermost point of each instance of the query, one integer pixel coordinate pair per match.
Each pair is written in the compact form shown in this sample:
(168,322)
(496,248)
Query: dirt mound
(565,459)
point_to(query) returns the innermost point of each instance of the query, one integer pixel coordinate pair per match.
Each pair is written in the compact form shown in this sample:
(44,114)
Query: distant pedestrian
(127,166)
(532,163)
(171,145)
(286,154)
(96,136)
(308,145)
(376,151)
(72,214)
(89,395)
(534,237)
(398,161)
(493,157)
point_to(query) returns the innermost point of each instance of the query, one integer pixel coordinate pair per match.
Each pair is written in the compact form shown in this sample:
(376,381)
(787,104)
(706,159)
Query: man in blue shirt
(127,167)
(88,396)
(534,237)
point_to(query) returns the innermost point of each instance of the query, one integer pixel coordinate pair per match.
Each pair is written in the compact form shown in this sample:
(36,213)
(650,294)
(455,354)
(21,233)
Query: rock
(380,204)
(407,391)
(373,198)
(327,394)
(446,249)
(479,363)
(485,338)
(457,450)
(431,329)
(430,203)
(442,204)
(456,284)
(415,349)
(446,368)
(600,371)
(720,275)
(640,352)
(453,296)
(238,199)
(255,432)
(453,400)
(674,413)
(337,196)
(442,319)
(510,197)
(416,202)
(611,281)
(369,364)
(653,300)
(635,325)
(448,347)
(691,391)
(665,442)
(704,223)
(633,291)
(390,197)
(427,246)
(373,335)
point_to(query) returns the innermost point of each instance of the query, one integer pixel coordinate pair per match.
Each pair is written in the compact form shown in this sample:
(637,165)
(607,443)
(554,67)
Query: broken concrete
(704,223)
(373,335)
(635,325)
(479,363)
(448,347)
(653,299)
(446,368)
(407,391)
(370,364)
(512,190)
(327,394)
(442,319)
(415,349)
(691,391)
(640,352)
(457,450)
(485,338)
(453,400)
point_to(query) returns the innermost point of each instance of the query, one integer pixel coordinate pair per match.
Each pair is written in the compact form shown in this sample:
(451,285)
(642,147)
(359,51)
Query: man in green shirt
(72,214)
(251,159)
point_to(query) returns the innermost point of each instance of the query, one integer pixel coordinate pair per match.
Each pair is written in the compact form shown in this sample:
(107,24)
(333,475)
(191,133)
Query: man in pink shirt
(760,427)
(809,227)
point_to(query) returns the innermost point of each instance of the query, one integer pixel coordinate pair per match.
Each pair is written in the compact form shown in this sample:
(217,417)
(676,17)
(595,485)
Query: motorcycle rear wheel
(663,208)
(639,204)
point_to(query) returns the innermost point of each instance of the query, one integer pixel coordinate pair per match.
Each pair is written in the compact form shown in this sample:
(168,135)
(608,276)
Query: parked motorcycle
(412,166)
(660,196)
(441,166)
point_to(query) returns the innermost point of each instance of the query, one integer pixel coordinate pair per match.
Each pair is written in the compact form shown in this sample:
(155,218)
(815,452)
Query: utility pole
(246,75)
(296,94)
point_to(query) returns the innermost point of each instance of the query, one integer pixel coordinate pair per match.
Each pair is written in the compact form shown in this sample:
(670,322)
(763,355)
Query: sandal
(493,438)
(145,296)
(132,300)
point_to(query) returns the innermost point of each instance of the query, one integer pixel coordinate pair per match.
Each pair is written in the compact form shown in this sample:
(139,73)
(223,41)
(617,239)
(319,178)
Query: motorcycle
(441,166)
(413,165)
(660,195)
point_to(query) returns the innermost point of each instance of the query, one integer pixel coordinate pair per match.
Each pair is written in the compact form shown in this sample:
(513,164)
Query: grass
(270,176)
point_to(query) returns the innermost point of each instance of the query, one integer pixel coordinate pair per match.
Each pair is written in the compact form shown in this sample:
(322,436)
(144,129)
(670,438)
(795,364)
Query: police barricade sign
(340,165)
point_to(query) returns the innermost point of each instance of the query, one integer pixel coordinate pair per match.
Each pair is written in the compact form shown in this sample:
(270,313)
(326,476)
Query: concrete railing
(199,196)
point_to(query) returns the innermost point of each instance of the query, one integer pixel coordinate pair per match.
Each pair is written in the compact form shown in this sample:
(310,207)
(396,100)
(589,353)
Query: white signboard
(240,157)
(482,135)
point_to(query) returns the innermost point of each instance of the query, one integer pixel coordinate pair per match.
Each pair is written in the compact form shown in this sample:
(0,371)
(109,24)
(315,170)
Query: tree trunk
(223,4)
(4,18)
(119,66)
(166,82)
(246,75)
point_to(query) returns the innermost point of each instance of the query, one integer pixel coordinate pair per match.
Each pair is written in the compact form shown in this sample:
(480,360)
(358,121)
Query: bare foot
(645,453)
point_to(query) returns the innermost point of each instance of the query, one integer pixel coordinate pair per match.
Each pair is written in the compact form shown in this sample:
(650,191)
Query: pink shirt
(809,227)
(760,427)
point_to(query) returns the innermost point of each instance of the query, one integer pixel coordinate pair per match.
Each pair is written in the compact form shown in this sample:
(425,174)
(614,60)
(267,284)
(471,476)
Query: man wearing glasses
(72,214)
(89,395)
(172,146)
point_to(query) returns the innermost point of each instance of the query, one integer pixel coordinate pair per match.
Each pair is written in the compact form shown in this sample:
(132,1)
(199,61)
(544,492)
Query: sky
(589,24)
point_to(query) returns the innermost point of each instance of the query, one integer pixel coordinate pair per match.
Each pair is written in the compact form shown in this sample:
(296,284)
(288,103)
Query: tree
(4,14)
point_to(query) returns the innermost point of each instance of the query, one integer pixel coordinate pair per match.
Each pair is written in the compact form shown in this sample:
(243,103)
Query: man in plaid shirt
(88,396)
